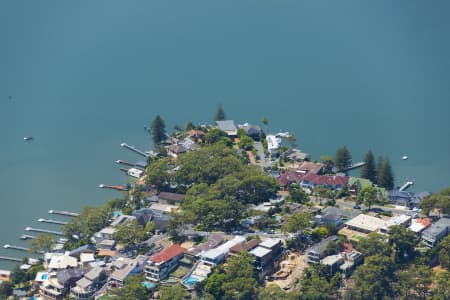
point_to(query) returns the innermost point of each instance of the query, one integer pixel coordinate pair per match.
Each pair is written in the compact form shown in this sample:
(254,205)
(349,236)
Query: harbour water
(86,76)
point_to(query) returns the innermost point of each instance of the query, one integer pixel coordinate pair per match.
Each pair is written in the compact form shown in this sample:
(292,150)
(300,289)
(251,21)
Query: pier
(10,258)
(114,187)
(406,185)
(63,213)
(354,166)
(43,230)
(122,162)
(27,237)
(52,221)
(8,246)
(134,149)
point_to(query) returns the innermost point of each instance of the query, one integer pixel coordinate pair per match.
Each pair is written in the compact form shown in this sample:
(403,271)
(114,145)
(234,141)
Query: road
(349,205)
(262,157)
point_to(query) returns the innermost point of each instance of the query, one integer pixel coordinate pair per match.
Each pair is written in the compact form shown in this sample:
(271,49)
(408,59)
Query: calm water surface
(86,76)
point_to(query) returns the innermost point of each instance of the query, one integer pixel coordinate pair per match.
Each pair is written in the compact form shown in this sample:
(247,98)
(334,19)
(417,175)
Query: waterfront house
(60,262)
(312,181)
(135,172)
(175,150)
(316,252)
(58,285)
(227,126)
(89,284)
(295,155)
(170,198)
(405,198)
(273,144)
(419,225)
(308,167)
(160,265)
(105,234)
(290,177)
(436,232)
(252,131)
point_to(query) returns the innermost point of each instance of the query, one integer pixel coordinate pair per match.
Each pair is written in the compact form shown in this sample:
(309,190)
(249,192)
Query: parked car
(377,209)
(357,207)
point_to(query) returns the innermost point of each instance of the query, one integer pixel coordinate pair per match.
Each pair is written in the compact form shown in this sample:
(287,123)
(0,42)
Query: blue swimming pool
(148,284)
(190,281)
(44,276)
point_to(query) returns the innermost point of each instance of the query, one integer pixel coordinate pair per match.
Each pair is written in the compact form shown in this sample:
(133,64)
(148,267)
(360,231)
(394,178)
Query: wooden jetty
(354,166)
(406,185)
(114,187)
(134,149)
(122,162)
(27,237)
(10,258)
(63,213)
(52,221)
(8,246)
(43,230)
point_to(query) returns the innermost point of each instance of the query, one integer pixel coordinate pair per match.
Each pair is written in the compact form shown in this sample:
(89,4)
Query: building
(227,126)
(402,220)
(332,263)
(61,262)
(296,155)
(219,254)
(308,167)
(275,245)
(405,198)
(329,219)
(160,265)
(252,131)
(214,240)
(312,181)
(263,261)
(436,232)
(135,172)
(352,259)
(419,225)
(316,252)
(58,285)
(365,224)
(273,144)
(290,177)
(176,150)
(89,284)
(244,246)
(124,268)
(170,198)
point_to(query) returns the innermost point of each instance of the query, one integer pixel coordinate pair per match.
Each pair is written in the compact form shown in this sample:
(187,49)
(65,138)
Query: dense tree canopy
(385,176)
(403,242)
(297,222)
(158,130)
(439,202)
(176,292)
(129,233)
(368,196)
(133,289)
(42,243)
(373,244)
(343,158)
(369,171)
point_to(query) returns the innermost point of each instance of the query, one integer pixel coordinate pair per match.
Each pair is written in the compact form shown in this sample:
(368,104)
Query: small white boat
(404,157)
(28,138)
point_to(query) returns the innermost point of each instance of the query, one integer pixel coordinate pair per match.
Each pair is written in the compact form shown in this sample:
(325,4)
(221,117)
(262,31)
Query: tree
(158,129)
(265,121)
(176,292)
(315,287)
(245,142)
(374,279)
(42,243)
(220,114)
(439,202)
(158,173)
(442,289)
(327,160)
(274,292)
(214,284)
(133,289)
(403,242)
(369,171)
(297,222)
(214,135)
(343,158)
(368,196)
(258,188)
(414,282)
(297,194)
(385,177)
(189,126)
(444,253)
(6,289)
(373,244)
(129,233)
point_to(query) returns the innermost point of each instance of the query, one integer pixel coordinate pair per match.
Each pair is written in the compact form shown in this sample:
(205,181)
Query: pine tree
(368,171)
(220,114)
(158,130)
(343,158)
(385,178)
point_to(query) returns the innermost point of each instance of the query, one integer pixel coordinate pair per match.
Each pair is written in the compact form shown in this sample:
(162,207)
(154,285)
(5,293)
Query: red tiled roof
(193,132)
(311,167)
(289,177)
(329,180)
(425,222)
(168,253)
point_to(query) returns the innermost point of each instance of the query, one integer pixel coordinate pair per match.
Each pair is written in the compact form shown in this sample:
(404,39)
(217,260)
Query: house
(275,245)
(121,219)
(252,131)
(436,232)
(106,245)
(105,234)
(160,265)
(419,225)
(352,259)
(273,144)
(290,177)
(329,219)
(311,168)
(214,240)
(296,155)
(244,246)
(263,261)
(135,172)
(345,214)
(160,219)
(61,262)
(365,224)
(316,252)
(227,126)
(405,198)
(218,255)
(125,268)
(197,134)
(332,263)
(86,259)
(176,150)
(57,286)
(170,198)
(89,284)
(403,220)
(163,208)
(312,180)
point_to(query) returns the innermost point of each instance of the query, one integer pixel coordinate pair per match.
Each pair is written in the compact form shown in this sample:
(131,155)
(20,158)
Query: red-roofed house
(289,177)
(311,180)
(160,265)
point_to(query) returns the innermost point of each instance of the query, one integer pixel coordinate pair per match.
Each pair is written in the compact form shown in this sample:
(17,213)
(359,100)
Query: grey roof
(348,214)
(64,276)
(94,273)
(443,224)
(226,125)
(84,283)
(322,246)
(331,217)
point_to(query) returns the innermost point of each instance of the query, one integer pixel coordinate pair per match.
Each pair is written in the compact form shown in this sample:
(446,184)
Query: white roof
(224,248)
(366,222)
(416,226)
(331,259)
(108,230)
(273,142)
(62,262)
(260,251)
(164,207)
(86,257)
(397,220)
(269,243)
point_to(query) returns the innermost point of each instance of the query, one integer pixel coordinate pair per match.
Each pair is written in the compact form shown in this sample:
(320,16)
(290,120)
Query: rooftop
(168,254)
(270,243)
(322,246)
(171,196)
(310,167)
(331,259)
(226,125)
(244,246)
(397,220)
(328,180)
(417,225)
(366,222)
(260,251)
(436,228)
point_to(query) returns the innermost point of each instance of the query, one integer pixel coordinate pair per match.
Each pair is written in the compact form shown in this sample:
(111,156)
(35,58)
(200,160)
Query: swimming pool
(148,284)
(44,276)
(190,281)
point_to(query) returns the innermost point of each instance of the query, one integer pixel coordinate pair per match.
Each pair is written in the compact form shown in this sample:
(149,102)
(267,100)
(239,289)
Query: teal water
(88,75)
